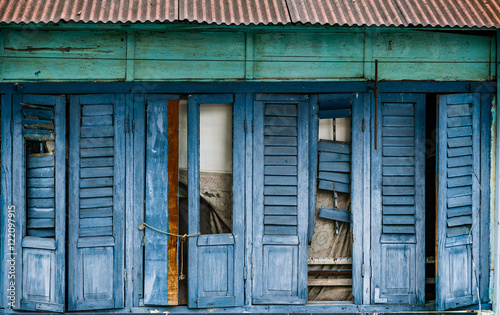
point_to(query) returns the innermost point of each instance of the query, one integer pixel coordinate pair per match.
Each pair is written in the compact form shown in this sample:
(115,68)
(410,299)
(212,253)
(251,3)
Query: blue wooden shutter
(280,199)
(39,192)
(215,270)
(458,200)
(398,170)
(96,202)
(156,291)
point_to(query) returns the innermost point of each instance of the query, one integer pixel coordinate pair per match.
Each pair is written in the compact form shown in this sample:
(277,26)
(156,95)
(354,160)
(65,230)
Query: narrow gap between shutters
(330,251)
(430,197)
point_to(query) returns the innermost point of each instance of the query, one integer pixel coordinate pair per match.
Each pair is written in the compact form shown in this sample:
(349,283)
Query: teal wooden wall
(141,53)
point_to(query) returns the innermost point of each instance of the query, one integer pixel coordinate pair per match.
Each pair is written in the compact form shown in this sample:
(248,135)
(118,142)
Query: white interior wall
(342,129)
(216,137)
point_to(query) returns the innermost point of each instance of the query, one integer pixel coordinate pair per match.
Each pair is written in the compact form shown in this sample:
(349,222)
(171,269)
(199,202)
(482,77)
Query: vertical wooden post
(173,201)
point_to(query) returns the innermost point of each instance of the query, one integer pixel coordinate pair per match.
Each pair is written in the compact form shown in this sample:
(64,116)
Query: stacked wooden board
(334,166)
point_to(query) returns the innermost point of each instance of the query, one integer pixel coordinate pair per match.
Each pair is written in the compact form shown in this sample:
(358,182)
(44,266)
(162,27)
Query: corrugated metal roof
(234,11)
(461,13)
(436,13)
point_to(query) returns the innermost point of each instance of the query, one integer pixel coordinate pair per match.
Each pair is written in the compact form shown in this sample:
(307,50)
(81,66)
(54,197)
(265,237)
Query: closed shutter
(398,168)
(160,250)
(215,267)
(458,200)
(39,193)
(96,202)
(280,199)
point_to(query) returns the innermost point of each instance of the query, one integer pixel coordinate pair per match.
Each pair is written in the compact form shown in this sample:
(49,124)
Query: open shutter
(96,202)
(39,192)
(160,250)
(398,169)
(215,267)
(280,199)
(458,200)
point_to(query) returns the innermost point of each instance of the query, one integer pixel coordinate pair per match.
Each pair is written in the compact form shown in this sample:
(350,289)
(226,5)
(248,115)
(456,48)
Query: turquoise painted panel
(432,56)
(189,55)
(308,55)
(63,55)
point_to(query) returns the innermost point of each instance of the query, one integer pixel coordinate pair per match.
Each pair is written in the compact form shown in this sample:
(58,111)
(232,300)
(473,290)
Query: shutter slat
(334,186)
(280,160)
(280,141)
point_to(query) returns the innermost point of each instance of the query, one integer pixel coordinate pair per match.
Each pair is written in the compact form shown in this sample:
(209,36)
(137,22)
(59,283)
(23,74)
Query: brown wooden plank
(330,272)
(173,203)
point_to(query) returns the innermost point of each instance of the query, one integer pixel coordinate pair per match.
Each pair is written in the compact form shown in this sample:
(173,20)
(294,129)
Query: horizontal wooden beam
(329,282)
(329,261)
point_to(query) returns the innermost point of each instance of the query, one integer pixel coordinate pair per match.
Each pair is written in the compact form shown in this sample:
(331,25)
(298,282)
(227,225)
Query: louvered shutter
(39,191)
(96,202)
(398,169)
(280,199)
(458,200)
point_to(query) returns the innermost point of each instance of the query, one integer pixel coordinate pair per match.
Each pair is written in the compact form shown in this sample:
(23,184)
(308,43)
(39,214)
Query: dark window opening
(330,251)
(430,197)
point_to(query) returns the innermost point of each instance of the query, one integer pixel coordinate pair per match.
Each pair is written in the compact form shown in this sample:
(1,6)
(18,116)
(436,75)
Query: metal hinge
(244,273)
(245,125)
(363,125)
(133,125)
(362,270)
(125,275)
(11,128)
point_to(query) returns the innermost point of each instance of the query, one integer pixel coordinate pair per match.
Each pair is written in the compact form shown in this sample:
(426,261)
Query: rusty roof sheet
(435,13)
(461,13)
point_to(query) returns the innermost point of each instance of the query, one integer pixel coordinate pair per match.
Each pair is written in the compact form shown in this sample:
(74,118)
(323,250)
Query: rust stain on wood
(173,203)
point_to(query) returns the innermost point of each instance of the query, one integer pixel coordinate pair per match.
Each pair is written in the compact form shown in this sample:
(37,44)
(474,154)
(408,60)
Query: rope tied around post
(182,240)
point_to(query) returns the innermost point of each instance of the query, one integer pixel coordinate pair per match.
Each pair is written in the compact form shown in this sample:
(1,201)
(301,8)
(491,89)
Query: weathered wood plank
(97,120)
(334,114)
(335,214)
(96,142)
(334,186)
(269,150)
(280,170)
(280,160)
(280,190)
(280,180)
(97,131)
(96,162)
(38,161)
(280,110)
(96,172)
(329,282)
(280,121)
(41,213)
(96,182)
(280,210)
(40,182)
(280,220)
(280,230)
(329,261)
(97,110)
(280,200)
(173,205)
(41,203)
(43,172)
(335,147)
(96,212)
(280,141)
